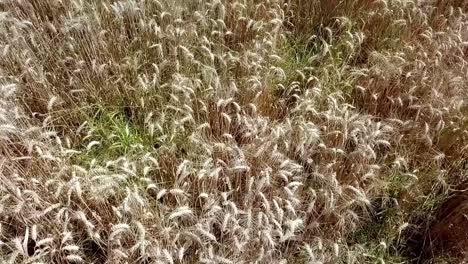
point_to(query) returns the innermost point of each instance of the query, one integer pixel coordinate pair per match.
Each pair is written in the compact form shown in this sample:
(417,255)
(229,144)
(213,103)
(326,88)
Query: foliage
(215,131)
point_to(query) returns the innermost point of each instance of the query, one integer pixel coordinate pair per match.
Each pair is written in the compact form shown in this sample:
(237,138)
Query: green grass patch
(114,134)
(378,241)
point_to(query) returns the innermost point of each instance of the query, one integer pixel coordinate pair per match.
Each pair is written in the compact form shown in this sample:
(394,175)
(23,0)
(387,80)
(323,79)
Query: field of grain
(233,131)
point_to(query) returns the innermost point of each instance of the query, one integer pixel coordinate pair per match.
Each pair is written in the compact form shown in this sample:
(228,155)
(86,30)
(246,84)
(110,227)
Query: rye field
(233,131)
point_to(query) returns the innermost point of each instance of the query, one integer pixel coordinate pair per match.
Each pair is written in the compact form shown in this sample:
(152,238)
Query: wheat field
(233,131)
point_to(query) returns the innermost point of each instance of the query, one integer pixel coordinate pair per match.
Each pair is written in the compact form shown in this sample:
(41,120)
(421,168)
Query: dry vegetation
(246,131)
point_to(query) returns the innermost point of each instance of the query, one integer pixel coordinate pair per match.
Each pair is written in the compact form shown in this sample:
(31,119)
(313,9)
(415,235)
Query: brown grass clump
(213,131)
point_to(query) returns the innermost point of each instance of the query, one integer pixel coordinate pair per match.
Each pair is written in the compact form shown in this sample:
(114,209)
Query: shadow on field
(444,237)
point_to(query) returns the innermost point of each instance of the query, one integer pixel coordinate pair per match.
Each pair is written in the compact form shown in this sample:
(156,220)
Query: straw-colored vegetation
(244,131)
